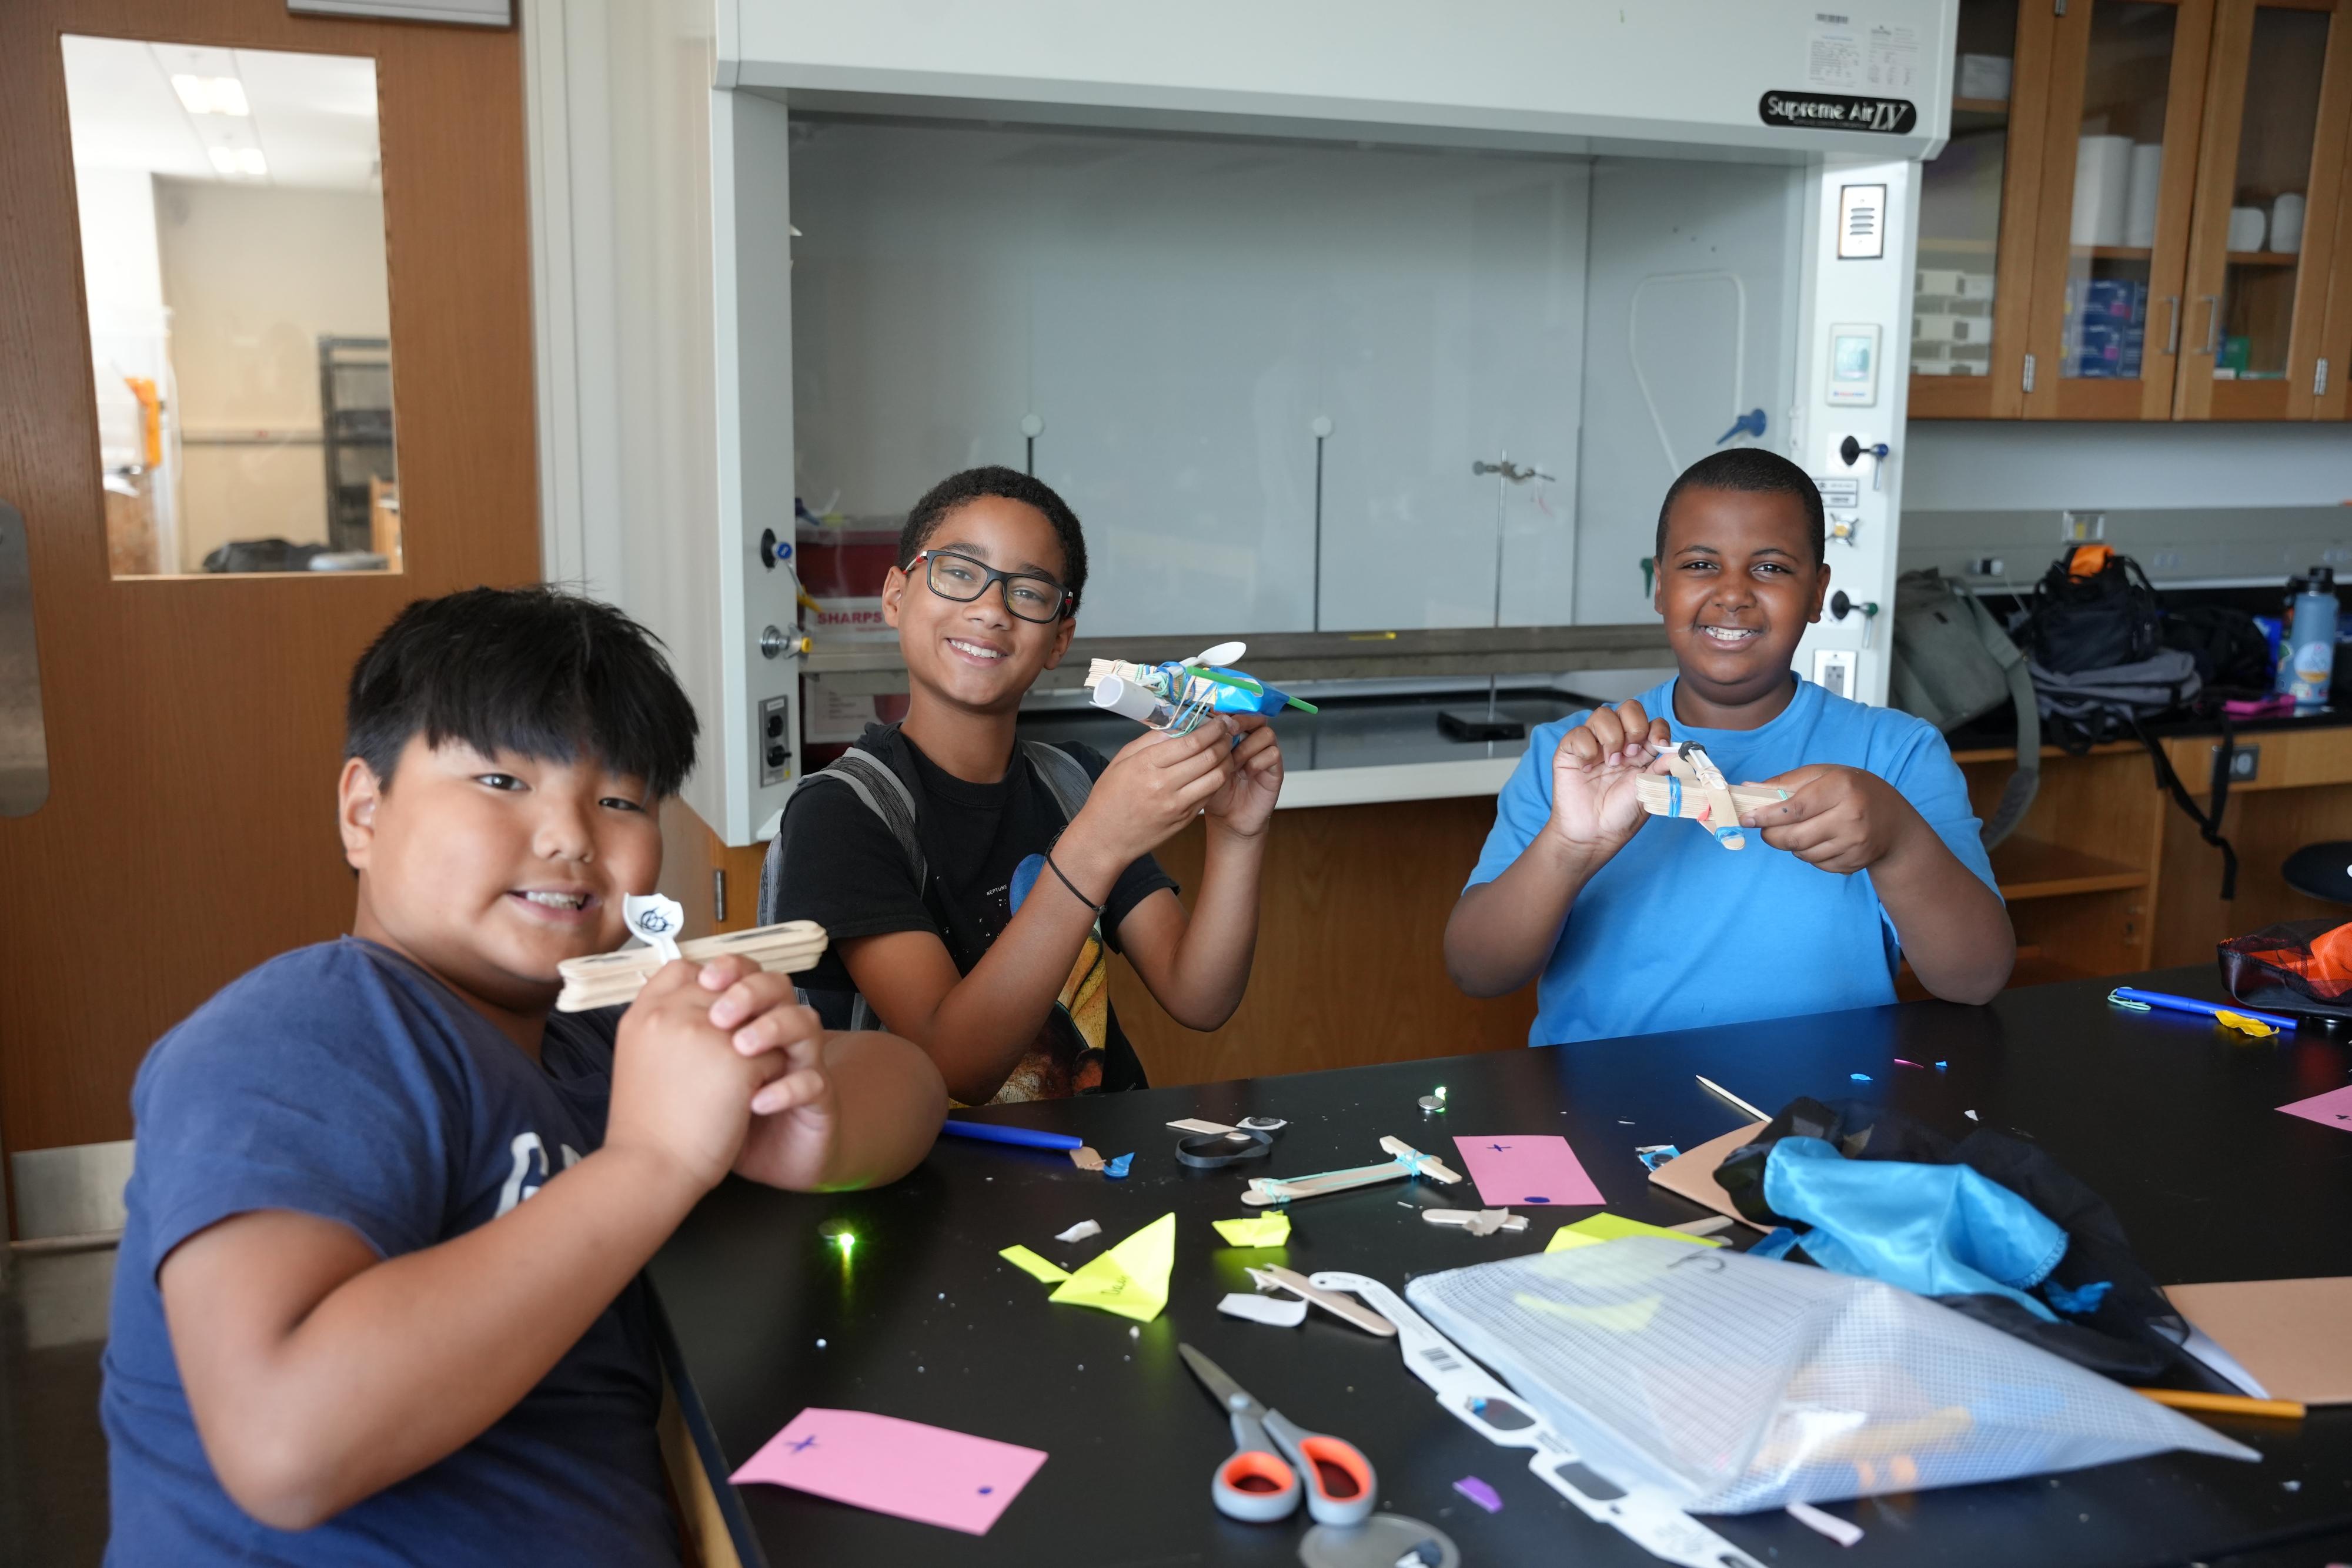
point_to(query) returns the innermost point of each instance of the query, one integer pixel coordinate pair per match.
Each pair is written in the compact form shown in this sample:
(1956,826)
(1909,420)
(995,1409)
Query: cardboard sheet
(2290,1333)
(1541,1168)
(894,1467)
(1692,1175)
(2332,1109)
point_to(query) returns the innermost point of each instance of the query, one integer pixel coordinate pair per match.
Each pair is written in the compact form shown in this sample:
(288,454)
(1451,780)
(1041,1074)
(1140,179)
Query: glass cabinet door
(2119,183)
(1976,219)
(2262,237)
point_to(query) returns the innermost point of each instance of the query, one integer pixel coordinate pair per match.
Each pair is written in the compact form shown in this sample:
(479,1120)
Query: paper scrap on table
(1257,1231)
(1194,1124)
(1600,1227)
(1281,1312)
(901,1468)
(1479,1492)
(1079,1232)
(1653,1155)
(1130,1279)
(2332,1109)
(1036,1267)
(1844,1532)
(1540,1169)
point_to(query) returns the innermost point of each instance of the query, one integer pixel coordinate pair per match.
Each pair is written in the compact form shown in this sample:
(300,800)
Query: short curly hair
(1753,469)
(1011,484)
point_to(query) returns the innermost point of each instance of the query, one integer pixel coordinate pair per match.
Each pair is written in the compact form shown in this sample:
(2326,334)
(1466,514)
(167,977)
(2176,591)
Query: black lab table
(2161,1112)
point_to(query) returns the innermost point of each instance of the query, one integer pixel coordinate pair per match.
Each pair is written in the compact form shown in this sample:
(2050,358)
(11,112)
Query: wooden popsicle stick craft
(1697,790)
(1405,1161)
(609,979)
(1273,1277)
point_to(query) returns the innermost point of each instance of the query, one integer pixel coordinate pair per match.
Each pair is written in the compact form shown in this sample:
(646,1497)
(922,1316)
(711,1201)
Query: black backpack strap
(1065,777)
(2209,826)
(882,792)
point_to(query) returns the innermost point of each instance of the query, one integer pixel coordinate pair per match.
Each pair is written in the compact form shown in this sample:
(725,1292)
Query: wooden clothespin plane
(1405,1162)
(1697,790)
(609,979)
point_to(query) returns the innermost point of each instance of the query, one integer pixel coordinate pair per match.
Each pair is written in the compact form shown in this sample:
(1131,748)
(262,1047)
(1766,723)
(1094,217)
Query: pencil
(999,1133)
(1742,1106)
(2222,1404)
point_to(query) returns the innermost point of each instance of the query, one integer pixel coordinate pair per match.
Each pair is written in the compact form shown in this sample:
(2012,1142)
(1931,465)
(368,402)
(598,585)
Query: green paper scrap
(1600,1227)
(1255,1230)
(1036,1267)
(1131,1279)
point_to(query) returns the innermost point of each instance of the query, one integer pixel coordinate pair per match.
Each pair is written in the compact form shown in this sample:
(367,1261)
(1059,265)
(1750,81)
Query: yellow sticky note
(1131,1279)
(1029,1264)
(1600,1227)
(1255,1230)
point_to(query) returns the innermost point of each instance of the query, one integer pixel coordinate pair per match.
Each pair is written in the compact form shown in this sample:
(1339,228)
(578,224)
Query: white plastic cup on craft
(2102,188)
(2286,224)
(2147,185)
(2247,226)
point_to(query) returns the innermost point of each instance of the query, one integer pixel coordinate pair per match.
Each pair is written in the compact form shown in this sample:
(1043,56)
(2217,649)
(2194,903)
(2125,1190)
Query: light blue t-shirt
(1676,932)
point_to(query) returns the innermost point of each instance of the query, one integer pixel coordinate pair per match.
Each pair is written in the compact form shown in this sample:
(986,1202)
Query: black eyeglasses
(1030,595)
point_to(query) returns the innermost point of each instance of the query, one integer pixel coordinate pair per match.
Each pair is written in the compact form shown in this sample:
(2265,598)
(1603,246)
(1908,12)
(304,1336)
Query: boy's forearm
(407,1361)
(1952,928)
(1502,933)
(989,1017)
(1211,967)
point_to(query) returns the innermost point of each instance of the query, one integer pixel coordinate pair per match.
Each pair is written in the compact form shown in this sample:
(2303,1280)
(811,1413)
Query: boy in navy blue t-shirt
(375,1301)
(1874,854)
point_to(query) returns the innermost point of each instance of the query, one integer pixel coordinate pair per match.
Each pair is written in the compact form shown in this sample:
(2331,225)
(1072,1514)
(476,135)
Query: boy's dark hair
(1757,471)
(1007,483)
(527,670)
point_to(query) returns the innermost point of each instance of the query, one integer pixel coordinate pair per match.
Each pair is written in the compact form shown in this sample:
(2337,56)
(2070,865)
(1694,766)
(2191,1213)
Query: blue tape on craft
(2079,1303)
(1674,795)
(1116,1169)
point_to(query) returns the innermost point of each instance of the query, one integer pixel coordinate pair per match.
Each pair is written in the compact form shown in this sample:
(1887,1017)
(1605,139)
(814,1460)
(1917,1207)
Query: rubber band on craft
(1674,795)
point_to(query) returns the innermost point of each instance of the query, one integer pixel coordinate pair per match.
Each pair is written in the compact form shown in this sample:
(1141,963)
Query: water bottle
(2310,664)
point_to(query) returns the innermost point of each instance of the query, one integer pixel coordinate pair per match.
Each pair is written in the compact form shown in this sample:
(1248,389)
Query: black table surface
(2162,1113)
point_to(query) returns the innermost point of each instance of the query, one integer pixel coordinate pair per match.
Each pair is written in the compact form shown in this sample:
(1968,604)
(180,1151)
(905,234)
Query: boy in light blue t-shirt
(1874,854)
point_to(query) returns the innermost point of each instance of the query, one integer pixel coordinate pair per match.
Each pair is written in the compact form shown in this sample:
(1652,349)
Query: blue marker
(2140,1001)
(994,1133)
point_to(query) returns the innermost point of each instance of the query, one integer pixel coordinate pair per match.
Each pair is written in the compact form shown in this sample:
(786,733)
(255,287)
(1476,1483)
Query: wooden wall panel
(2265,827)
(194,724)
(1350,950)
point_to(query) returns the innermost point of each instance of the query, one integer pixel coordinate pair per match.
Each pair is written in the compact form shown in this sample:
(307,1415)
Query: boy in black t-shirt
(993,960)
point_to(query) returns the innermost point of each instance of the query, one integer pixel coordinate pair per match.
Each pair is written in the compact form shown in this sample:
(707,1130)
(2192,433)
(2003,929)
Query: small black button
(775,726)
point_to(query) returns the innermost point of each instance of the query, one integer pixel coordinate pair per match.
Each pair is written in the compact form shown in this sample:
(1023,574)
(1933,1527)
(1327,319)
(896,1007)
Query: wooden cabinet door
(2329,375)
(2278,99)
(2118,181)
(193,722)
(1978,203)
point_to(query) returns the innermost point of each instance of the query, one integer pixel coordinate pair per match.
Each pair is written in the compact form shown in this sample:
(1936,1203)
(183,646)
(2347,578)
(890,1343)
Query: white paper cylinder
(2102,189)
(2246,228)
(2146,184)
(1123,698)
(2286,224)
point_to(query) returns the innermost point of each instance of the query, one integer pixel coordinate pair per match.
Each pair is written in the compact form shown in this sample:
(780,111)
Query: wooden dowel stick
(2222,1404)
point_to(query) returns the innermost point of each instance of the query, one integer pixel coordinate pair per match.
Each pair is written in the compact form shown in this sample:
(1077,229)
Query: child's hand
(1246,802)
(694,1049)
(1842,819)
(1154,786)
(1594,808)
(795,1119)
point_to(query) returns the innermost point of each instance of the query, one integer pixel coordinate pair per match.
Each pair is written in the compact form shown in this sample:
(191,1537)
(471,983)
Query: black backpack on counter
(2094,609)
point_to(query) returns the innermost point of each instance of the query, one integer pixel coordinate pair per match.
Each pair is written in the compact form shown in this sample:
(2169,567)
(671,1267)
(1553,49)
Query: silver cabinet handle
(2213,324)
(2172,337)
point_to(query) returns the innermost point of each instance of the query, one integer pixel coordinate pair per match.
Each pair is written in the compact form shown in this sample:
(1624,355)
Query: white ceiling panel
(313,116)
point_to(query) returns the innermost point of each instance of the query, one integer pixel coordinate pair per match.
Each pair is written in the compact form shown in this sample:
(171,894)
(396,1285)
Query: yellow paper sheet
(1131,1279)
(1029,1264)
(1599,1228)
(1256,1230)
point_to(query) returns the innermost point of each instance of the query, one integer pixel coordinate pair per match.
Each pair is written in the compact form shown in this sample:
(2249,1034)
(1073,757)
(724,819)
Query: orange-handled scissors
(1258,1485)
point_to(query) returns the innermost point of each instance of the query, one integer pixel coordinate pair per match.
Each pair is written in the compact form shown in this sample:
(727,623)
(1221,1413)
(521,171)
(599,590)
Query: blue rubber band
(1674,795)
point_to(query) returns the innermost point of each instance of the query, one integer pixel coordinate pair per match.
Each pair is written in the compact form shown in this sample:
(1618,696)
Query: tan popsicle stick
(608,979)
(1264,1190)
(1650,789)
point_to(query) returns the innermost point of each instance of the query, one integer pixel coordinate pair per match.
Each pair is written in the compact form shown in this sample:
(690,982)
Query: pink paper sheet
(1541,1169)
(2332,1109)
(902,1467)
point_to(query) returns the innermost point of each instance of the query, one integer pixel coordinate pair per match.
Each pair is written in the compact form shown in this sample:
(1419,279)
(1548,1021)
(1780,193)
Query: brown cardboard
(2290,1333)
(1692,1175)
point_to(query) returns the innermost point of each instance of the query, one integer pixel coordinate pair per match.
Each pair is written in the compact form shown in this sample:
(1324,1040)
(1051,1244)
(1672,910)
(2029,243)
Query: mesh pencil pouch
(1742,1384)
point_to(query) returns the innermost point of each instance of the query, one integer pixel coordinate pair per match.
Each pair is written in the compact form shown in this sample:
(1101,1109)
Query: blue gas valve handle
(1748,424)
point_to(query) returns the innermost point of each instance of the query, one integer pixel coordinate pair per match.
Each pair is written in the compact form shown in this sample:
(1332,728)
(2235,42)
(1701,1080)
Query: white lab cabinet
(1263,281)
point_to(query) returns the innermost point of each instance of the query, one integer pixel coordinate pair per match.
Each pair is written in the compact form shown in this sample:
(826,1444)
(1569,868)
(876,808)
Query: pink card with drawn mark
(1511,1171)
(2332,1109)
(902,1467)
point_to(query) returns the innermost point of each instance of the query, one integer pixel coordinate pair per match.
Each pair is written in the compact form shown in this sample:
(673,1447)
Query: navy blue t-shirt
(344,1082)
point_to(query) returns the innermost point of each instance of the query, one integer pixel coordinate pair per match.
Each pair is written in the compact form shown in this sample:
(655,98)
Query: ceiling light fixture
(212,95)
(239,162)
